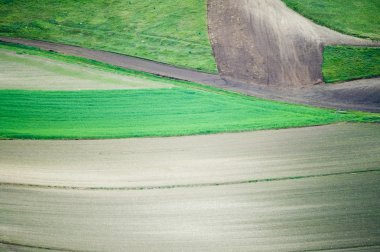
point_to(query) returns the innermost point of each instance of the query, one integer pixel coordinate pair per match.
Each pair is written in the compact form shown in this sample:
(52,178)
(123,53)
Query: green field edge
(192,133)
(321,23)
(335,78)
(341,81)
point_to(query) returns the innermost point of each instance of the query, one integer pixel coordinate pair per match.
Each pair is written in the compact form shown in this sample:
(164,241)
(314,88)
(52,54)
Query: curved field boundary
(357,18)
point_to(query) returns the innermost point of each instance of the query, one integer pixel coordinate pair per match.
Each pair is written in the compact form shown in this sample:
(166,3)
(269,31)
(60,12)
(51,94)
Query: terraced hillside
(173,32)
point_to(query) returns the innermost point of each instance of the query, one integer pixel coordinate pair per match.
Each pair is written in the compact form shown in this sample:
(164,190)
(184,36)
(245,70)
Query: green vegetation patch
(356,17)
(155,112)
(342,63)
(169,31)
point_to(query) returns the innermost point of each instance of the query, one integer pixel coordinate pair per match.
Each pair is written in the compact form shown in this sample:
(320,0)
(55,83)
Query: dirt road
(355,95)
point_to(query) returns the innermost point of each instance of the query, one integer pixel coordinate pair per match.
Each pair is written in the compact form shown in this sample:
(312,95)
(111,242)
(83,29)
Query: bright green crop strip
(341,63)
(355,17)
(169,31)
(155,112)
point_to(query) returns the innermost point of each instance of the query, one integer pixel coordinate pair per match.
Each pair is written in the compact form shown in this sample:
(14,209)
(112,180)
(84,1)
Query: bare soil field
(265,42)
(312,214)
(21,71)
(194,160)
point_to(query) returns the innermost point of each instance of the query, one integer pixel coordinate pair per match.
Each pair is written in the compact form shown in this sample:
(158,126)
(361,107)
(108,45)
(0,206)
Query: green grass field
(141,113)
(169,31)
(185,109)
(355,17)
(341,63)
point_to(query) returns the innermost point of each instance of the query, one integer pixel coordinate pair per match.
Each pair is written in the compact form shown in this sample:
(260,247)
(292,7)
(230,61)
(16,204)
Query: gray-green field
(29,72)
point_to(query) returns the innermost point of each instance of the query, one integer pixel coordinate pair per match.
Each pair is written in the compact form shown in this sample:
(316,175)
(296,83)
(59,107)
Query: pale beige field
(147,162)
(22,71)
(326,213)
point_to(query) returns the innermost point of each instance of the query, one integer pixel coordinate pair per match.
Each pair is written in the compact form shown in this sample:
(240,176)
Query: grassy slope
(170,31)
(187,109)
(355,17)
(342,63)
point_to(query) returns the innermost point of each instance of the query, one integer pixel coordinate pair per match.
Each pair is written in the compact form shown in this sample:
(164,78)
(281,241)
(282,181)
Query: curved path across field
(355,95)
(291,190)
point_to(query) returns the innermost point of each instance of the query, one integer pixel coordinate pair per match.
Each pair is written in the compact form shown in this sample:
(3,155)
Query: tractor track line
(140,188)
(38,247)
